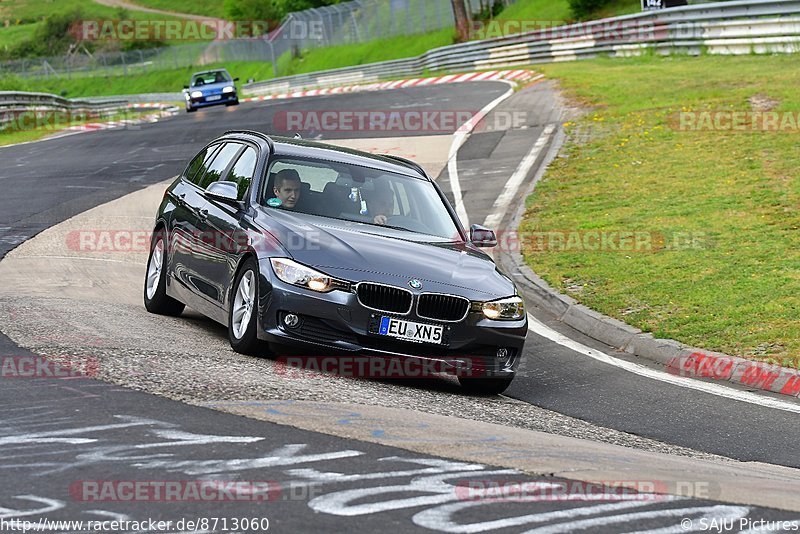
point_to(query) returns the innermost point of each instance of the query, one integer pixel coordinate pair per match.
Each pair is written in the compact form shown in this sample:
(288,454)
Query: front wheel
(156,299)
(243,314)
(485,386)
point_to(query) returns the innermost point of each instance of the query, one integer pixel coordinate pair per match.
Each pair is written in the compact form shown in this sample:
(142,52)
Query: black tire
(486,385)
(234,103)
(247,342)
(190,109)
(159,302)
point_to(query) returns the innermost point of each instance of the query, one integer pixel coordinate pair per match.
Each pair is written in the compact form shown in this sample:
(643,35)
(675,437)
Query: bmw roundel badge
(415,284)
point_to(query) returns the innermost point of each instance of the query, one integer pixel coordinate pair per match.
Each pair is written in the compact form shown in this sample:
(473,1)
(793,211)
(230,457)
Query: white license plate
(212,98)
(410,331)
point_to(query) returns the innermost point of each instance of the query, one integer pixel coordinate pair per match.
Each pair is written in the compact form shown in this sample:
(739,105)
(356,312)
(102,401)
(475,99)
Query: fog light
(502,354)
(291,320)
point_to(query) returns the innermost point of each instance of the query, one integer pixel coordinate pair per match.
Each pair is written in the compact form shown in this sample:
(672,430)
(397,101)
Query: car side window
(221,162)
(243,171)
(199,165)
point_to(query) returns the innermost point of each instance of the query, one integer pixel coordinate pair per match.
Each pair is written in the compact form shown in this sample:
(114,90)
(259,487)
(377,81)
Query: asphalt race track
(58,436)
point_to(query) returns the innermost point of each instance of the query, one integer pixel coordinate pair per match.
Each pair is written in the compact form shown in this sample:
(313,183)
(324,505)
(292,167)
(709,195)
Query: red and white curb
(517,76)
(748,373)
(164,111)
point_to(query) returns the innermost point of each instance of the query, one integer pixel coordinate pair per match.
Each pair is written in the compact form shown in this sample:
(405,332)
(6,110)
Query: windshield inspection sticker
(274,203)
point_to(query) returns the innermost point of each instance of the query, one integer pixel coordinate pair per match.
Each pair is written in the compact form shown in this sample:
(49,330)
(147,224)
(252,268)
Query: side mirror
(480,236)
(236,79)
(227,192)
(185,86)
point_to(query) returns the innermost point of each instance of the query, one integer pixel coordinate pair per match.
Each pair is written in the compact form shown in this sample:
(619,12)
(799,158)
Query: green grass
(358,54)
(13,35)
(174,79)
(161,81)
(58,122)
(32,10)
(554,11)
(738,290)
(24,14)
(192,7)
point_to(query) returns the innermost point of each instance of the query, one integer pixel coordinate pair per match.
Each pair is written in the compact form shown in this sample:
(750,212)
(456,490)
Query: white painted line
(513,184)
(459,137)
(537,327)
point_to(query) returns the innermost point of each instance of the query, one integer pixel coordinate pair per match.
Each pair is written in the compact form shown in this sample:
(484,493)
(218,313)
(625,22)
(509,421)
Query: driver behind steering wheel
(380,204)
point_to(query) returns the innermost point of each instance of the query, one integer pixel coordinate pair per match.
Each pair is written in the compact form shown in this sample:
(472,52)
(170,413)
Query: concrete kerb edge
(677,358)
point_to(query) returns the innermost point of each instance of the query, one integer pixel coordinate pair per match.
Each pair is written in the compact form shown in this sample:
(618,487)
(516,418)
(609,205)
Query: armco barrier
(12,103)
(740,27)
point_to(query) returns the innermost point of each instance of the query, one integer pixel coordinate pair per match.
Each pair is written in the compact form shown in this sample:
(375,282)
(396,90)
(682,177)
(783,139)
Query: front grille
(384,298)
(442,307)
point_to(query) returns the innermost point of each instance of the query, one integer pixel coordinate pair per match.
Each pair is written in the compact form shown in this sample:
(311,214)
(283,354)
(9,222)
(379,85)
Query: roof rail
(407,162)
(263,136)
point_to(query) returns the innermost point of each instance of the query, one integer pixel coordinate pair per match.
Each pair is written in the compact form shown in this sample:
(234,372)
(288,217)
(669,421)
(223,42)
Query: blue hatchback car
(210,88)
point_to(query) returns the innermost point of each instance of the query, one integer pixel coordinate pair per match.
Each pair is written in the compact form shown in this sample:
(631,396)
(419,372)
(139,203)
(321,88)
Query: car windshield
(359,194)
(206,78)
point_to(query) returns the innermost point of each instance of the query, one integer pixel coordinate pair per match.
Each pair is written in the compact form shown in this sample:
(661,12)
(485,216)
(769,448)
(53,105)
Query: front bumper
(204,101)
(336,323)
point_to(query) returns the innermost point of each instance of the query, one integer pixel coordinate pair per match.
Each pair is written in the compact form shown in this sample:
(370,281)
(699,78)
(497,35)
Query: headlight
(228,89)
(296,274)
(508,309)
(197,94)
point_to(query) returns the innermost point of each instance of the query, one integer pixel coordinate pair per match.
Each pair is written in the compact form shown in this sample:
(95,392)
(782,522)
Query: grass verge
(173,79)
(359,54)
(731,281)
(57,122)
(161,81)
(25,15)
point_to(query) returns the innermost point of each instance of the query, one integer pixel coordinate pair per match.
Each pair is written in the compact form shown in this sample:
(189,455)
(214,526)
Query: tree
(462,20)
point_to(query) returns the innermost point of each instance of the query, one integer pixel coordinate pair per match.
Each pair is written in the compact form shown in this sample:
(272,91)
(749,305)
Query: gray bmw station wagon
(295,245)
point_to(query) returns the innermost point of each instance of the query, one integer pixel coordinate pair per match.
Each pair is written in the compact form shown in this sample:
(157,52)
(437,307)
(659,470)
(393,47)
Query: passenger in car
(288,188)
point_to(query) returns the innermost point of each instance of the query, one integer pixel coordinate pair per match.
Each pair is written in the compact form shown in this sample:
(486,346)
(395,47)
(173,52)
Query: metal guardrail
(739,27)
(13,103)
(138,98)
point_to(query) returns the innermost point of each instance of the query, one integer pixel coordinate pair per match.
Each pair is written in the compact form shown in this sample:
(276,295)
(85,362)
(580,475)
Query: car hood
(361,252)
